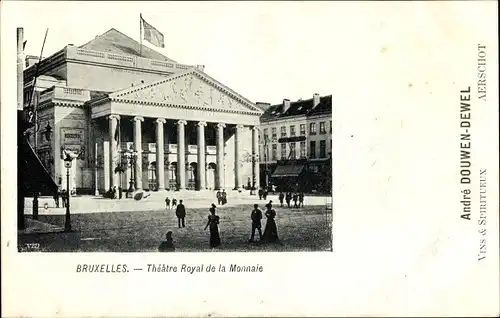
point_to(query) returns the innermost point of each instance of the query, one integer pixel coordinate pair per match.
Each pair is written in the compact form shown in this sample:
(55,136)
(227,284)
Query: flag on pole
(151,34)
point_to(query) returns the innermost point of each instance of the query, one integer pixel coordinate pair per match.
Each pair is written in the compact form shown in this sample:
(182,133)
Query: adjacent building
(139,118)
(296,144)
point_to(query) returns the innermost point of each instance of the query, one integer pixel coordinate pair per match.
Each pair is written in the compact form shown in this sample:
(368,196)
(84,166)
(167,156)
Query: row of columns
(181,150)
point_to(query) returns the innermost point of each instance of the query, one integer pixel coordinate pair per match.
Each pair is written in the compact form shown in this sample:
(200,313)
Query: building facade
(296,139)
(139,118)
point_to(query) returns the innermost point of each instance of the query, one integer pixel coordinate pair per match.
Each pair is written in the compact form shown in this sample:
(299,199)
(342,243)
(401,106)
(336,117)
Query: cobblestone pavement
(304,229)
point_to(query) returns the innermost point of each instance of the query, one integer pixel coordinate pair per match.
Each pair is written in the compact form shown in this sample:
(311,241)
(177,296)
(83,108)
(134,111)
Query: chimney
(262,105)
(286,104)
(20,68)
(315,100)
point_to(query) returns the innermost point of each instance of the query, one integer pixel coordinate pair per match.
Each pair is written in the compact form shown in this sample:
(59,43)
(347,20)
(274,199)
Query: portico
(188,131)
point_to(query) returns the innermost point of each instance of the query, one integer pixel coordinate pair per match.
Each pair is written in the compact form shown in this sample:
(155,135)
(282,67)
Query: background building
(296,144)
(139,119)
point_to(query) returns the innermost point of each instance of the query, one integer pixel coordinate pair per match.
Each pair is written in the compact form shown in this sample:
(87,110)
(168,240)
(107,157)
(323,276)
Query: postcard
(216,159)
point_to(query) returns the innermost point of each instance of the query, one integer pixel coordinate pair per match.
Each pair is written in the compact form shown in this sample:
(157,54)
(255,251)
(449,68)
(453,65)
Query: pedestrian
(256,217)
(295,198)
(213,221)
(180,212)
(56,198)
(174,203)
(260,194)
(265,193)
(219,197)
(271,231)
(281,197)
(168,245)
(63,198)
(167,203)
(301,199)
(270,204)
(224,196)
(288,198)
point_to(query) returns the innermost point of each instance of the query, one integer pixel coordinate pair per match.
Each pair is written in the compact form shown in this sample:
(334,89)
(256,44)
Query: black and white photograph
(124,146)
(249,159)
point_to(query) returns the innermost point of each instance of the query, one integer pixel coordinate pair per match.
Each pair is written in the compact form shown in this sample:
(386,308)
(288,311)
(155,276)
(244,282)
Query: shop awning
(32,175)
(288,171)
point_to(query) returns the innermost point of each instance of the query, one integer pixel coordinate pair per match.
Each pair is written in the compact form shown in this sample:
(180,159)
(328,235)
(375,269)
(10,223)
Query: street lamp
(68,161)
(265,142)
(131,155)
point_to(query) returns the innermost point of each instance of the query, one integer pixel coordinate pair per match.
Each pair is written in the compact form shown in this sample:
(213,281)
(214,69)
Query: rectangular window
(322,128)
(283,151)
(322,148)
(302,149)
(275,152)
(283,131)
(292,151)
(302,129)
(274,134)
(292,131)
(312,149)
(312,129)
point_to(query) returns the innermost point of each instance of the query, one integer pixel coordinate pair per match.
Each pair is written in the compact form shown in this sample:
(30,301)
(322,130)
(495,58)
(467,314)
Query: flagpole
(140,34)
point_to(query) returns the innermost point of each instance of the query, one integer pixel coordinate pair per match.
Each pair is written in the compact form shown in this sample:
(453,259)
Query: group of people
(263,194)
(289,197)
(221,197)
(63,195)
(270,234)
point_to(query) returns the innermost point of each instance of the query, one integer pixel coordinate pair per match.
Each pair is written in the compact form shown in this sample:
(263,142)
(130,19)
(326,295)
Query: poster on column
(375,159)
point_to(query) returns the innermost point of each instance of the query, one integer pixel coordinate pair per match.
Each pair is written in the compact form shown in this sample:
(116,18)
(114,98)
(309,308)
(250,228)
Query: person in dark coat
(63,198)
(174,202)
(213,221)
(281,197)
(56,198)
(168,245)
(301,199)
(224,196)
(265,193)
(260,194)
(256,217)
(167,204)
(271,231)
(219,197)
(180,212)
(288,198)
(295,198)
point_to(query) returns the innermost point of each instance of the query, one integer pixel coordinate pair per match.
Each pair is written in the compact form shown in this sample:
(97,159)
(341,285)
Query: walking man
(288,198)
(167,203)
(281,197)
(301,199)
(180,212)
(260,194)
(219,197)
(256,217)
(174,203)
(295,198)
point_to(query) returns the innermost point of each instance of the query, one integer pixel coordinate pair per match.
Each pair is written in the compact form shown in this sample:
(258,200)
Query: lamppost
(131,155)
(251,158)
(265,142)
(68,161)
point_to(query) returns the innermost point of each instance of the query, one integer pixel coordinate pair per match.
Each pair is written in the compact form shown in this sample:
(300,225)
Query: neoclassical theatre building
(139,117)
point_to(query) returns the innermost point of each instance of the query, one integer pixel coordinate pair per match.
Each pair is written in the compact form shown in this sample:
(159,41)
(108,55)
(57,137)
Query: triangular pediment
(191,88)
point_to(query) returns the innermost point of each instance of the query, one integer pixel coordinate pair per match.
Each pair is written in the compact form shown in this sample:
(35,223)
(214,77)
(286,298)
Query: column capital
(138,118)
(114,116)
(202,123)
(221,125)
(160,120)
(256,128)
(240,126)
(182,122)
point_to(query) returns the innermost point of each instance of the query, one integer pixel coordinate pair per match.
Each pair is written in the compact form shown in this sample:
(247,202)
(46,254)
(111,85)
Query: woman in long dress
(213,221)
(271,231)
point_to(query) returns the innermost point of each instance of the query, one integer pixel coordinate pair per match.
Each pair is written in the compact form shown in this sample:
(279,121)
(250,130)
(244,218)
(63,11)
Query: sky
(265,52)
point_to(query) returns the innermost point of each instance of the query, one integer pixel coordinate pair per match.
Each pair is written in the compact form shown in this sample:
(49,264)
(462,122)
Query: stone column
(181,155)
(138,150)
(237,157)
(220,156)
(160,155)
(255,155)
(113,150)
(201,170)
